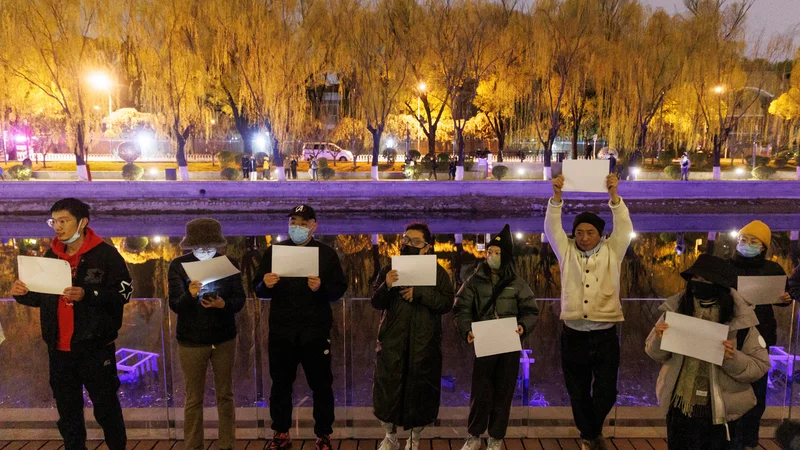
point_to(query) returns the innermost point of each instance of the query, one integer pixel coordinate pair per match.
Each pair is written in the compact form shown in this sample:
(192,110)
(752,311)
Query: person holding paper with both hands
(300,322)
(494,291)
(206,330)
(590,306)
(701,400)
(81,325)
(408,365)
(749,260)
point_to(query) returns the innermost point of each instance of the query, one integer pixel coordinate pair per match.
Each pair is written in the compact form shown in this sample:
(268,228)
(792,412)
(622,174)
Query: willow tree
(562,29)
(377,68)
(50,44)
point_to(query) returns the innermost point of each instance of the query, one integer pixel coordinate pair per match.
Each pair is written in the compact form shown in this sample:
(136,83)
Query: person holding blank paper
(81,325)
(590,307)
(749,260)
(206,331)
(408,365)
(701,400)
(300,321)
(494,291)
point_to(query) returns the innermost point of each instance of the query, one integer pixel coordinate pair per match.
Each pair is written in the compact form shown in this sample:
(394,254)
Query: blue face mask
(748,250)
(298,234)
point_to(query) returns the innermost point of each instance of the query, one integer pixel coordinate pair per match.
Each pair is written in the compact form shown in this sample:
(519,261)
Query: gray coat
(731,393)
(515,299)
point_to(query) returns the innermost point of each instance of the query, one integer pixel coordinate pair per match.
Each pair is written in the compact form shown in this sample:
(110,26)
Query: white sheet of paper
(2,336)
(210,270)
(44,275)
(415,270)
(493,337)
(585,175)
(698,338)
(288,261)
(762,290)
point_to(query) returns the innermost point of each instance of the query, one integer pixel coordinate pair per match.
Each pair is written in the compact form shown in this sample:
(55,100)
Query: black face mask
(703,291)
(408,250)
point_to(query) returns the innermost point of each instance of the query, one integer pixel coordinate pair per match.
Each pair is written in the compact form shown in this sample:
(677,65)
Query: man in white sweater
(590,307)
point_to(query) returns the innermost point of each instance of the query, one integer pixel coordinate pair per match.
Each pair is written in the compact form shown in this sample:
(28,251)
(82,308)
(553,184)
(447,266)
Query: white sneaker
(472,443)
(413,440)
(389,443)
(494,444)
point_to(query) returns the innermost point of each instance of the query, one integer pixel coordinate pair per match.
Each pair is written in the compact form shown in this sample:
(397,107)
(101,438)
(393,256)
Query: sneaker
(494,444)
(587,444)
(472,443)
(280,441)
(389,443)
(413,439)
(600,443)
(323,443)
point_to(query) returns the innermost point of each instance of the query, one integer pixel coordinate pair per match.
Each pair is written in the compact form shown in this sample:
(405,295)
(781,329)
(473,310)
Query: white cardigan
(590,286)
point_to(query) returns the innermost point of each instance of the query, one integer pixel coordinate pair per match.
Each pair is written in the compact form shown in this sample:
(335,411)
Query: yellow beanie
(758,229)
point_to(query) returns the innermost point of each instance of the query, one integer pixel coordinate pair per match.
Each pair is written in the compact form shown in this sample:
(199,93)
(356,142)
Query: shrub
(229,159)
(20,172)
(389,153)
(132,172)
(327,173)
(666,157)
(128,152)
(415,155)
(499,172)
(763,172)
(443,158)
(699,160)
(136,244)
(673,172)
(260,157)
(231,174)
(779,162)
(761,161)
(468,165)
(322,162)
(413,172)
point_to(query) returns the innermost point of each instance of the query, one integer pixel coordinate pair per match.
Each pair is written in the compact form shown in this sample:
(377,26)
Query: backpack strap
(741,336)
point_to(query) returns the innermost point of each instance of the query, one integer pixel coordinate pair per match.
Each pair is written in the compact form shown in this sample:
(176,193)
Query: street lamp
(719,89)
(102,82)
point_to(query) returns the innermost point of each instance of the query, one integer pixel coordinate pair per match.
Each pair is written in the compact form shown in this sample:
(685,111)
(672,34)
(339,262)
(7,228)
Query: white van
(326,150)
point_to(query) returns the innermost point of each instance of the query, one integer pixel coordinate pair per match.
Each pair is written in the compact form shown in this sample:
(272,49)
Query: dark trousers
(494,379)
(746,434)
(687,433)
(590,361)
(684,174)
(95,369)
(285,354)
(246,174)
(287,172)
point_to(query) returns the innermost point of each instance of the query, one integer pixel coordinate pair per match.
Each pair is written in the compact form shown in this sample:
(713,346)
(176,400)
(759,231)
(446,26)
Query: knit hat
(590,218)
(758,229)
(505,243)
(203,233)
(713,269)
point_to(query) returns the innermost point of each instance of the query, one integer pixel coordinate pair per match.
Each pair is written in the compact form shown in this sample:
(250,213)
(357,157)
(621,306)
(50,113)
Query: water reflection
(662,248)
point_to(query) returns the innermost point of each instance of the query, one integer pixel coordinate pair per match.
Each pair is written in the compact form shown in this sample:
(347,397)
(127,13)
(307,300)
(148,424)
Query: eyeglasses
(416,242)
(60,222)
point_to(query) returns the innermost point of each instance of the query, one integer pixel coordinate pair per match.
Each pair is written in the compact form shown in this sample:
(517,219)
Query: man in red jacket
(80,325)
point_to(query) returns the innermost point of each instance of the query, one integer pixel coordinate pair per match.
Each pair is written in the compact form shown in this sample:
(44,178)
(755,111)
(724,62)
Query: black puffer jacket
(103,275)
(197,324)
(515,299)
(295,310)
(759,267)
(408,366)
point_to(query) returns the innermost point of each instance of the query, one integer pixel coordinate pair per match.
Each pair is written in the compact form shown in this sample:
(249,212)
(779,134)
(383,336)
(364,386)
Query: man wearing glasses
(81,325)
(408,367)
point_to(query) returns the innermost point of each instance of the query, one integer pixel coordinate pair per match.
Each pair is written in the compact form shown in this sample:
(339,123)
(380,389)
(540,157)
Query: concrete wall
(488,197)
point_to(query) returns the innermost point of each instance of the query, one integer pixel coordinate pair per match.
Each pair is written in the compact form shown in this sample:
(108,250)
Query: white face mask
(204,254)
(74,236)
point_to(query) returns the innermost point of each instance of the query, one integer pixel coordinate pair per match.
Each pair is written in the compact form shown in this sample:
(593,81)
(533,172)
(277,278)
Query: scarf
(693,388)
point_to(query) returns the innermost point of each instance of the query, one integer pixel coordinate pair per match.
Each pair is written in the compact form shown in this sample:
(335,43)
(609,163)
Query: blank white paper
(762,290)
(44,275)
(494,337)
(210,270)
(698,338)
(415,270)
(585,175)
(288,261)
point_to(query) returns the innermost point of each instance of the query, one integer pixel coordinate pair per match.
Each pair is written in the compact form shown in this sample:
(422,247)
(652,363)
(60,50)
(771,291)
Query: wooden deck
(369,444)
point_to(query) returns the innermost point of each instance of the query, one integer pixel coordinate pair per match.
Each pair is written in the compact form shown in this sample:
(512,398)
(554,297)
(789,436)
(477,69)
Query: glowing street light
(719,89)
(422,86)
(633,235)
(102,82)
(390,142)
(260,142)
(734,234)
(520,236)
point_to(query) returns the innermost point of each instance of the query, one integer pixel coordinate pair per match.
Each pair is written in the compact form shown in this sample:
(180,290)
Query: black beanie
(506,244)
(590,218)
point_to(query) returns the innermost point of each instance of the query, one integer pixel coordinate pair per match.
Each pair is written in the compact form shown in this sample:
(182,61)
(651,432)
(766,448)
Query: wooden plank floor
(371,444)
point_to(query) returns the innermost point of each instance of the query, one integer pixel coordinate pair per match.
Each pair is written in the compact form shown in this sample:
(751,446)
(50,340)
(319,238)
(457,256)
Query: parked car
(326,150)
